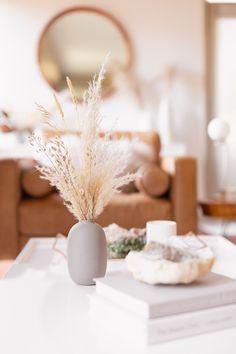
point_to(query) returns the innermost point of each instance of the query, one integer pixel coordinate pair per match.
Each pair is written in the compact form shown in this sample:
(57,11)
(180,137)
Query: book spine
(116,320)
(206,301)
(185,325)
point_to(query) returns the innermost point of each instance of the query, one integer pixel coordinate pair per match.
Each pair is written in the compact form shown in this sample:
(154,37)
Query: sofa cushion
(139,153)
(134,210)
(33,184)
(48,216)
(152,180)
(45,216)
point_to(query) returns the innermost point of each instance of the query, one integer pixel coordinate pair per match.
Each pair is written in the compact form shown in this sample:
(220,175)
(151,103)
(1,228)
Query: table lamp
(218,131)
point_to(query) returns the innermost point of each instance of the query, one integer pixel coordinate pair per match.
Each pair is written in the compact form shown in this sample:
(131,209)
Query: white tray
(39,252)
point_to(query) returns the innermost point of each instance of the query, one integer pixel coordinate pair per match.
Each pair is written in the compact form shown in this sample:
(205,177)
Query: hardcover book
(158,301)
(133,330)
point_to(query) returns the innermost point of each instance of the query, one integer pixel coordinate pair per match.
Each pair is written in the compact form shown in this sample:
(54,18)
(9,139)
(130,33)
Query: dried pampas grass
(87,185)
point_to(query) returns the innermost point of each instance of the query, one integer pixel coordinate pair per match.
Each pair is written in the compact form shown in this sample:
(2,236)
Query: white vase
(86,252)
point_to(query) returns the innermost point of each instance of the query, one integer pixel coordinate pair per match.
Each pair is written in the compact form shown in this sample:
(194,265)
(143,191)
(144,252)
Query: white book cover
(157,301)
(132,329)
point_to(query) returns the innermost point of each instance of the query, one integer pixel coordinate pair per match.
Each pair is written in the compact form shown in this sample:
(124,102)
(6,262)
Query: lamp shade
(218,130)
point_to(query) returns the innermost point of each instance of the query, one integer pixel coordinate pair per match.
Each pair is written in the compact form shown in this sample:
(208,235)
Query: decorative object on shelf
(218,131)
(121,241)
(163,263)
(86,185)
(160,230)
(153,96)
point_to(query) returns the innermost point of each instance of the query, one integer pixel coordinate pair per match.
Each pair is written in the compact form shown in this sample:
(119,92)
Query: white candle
(159,230)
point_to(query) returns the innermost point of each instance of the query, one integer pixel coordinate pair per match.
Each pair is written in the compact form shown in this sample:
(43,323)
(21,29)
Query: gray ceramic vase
(86,252)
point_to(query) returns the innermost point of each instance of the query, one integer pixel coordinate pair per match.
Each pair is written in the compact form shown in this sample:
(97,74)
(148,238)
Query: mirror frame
(100,12)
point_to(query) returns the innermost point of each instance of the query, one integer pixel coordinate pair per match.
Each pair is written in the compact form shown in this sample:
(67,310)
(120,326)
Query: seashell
(160,263)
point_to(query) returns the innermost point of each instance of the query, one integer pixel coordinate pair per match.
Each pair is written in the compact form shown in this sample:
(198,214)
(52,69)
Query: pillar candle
(159,230)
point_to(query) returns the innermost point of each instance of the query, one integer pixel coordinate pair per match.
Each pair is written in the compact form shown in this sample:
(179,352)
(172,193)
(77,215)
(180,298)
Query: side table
(221,209)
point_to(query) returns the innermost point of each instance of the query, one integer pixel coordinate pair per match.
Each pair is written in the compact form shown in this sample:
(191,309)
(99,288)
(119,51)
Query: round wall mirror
(75,44)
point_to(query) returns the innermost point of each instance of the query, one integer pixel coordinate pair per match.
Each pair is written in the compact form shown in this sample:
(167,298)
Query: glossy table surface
(43,311)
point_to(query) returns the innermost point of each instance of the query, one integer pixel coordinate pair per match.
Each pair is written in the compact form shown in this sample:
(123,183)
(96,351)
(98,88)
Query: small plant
(86,186)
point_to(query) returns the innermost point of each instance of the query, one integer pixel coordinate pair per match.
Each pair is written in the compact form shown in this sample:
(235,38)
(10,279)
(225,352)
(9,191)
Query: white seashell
(164,264)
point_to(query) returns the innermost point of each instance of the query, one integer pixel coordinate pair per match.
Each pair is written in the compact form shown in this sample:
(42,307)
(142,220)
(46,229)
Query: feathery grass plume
(58,105)
(46,116)
(72,92)
(44,112)
(87,185)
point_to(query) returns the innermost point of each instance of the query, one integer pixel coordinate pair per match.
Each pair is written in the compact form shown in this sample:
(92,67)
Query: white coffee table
(42,311)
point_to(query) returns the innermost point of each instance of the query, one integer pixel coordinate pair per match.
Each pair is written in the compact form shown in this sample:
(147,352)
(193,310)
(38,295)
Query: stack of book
(163,312)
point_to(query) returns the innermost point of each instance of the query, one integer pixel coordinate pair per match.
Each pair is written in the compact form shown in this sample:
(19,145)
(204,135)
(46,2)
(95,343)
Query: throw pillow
(152,180)
(138,153)
(34,185)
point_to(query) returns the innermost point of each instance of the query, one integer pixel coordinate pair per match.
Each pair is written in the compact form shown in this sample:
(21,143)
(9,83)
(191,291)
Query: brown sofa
(23,216)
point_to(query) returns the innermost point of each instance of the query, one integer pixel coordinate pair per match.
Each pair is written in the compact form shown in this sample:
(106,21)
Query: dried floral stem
(86,184)
(58,105)
(72,93)
(68,176)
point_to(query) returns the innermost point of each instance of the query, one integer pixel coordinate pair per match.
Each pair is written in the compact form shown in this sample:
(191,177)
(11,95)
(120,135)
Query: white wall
(163,32)
(224,79)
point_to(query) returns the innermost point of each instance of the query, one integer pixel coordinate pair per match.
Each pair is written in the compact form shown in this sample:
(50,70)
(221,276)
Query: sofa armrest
(183,191)
(9,200)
